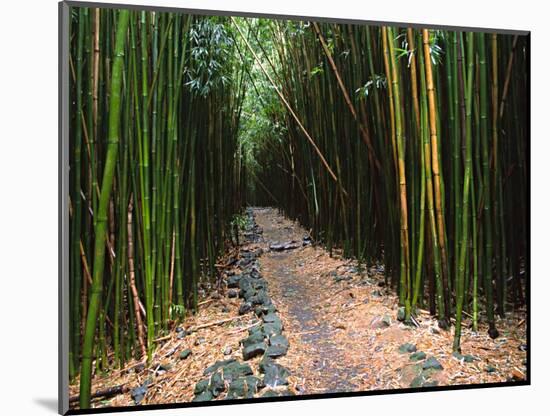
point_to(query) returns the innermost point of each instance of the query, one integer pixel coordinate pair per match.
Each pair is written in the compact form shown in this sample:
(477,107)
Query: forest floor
(340,321)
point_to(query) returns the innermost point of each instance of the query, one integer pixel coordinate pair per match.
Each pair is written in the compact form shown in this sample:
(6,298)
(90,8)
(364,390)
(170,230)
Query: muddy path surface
(324,364)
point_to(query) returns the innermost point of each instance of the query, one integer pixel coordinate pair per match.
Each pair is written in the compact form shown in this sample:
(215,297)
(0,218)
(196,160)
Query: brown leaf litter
(338,341)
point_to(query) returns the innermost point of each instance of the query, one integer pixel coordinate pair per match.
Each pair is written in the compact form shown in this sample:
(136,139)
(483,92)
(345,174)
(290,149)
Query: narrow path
(325,364)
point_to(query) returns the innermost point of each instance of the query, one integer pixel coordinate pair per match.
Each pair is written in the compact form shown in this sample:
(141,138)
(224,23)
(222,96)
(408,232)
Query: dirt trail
(302,305)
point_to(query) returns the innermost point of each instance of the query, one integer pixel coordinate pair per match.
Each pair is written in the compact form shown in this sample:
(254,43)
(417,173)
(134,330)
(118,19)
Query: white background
(28,204)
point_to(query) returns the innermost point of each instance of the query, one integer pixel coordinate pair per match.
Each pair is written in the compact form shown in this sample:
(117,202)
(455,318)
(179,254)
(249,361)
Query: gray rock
(247,294)
(201,386)
(279,340)
(490,368)
(417,356)
(265,362)
(432,363)
(245,262)
(418,381)
(270,318)
(277,393)
(139,392)
(407,348)
(244,387)
(291,246)
(216,385)
(278,346)
(217,365)
(277,247)
(254,338)
(275,351)
(256,329)
(227,351)
(245,283)
(271,393)
(342,278)
(233,281)
(253,350)
(380,322)
(253,384)
(401,314)
(245,308)
(234,370)
(184,354)
(236,389)
(260,310)
(260,298)
(204,397)
(255,273)
(467,358)
(272,328)
(232,293)
(259,284)
(276,375)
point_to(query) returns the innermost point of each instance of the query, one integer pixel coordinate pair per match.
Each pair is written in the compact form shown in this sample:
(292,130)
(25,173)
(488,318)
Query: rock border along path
(232,377)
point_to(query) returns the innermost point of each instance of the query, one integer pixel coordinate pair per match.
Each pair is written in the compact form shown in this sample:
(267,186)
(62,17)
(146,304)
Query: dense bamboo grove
(424,139)
(400,146)
(156,176)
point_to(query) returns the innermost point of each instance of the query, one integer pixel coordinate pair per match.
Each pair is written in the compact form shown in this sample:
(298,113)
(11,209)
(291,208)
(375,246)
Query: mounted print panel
(266,208)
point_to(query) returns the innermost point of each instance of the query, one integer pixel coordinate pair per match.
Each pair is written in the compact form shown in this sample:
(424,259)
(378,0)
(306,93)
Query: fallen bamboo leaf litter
(332,345)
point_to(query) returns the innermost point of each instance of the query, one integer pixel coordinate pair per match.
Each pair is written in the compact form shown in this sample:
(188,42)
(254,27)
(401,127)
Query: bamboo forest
(263,207)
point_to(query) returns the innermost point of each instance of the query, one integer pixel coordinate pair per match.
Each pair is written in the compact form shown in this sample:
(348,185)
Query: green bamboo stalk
(487,197)
(428,149)
(101,216)
(465,195)
(405,295)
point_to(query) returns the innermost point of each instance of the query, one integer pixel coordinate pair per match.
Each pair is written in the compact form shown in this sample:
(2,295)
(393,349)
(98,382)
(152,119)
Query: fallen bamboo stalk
(204,302)
(208,325)
(110,391)
(163,338)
